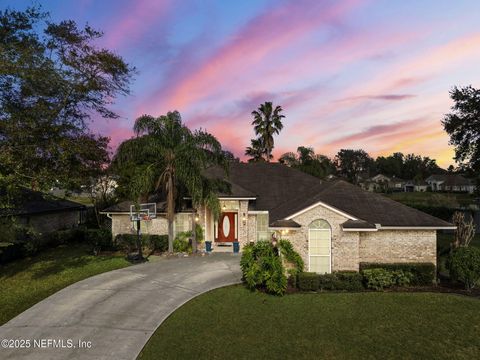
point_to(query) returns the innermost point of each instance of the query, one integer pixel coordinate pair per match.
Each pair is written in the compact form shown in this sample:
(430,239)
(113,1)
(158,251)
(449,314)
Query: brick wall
(389,246)
(344,245)
(121,224)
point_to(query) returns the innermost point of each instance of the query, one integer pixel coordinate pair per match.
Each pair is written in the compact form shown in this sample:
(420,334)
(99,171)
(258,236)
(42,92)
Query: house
(378,183)
(396,184)
(416,186)
(382,183)
(451,183)
(333,225)
(43,212)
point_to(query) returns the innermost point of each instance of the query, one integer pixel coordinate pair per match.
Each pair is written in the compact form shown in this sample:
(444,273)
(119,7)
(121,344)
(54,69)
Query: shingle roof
(34,202)
(285,224)
(271,183)
(451,179)
(284,191)
(358,224)
(124,207)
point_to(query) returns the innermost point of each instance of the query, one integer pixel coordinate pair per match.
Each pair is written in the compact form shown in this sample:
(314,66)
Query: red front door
(226,227)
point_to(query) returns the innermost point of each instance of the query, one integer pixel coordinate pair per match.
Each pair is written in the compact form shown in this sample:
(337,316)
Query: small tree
(465,266)
(465,230)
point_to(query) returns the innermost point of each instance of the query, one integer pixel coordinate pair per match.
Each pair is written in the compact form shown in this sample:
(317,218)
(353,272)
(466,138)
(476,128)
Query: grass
(28,281)
(234,323)
(449,200)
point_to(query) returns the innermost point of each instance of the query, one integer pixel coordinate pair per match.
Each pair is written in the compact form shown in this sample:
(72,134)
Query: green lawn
(234,323)
(27,281)
(449,200)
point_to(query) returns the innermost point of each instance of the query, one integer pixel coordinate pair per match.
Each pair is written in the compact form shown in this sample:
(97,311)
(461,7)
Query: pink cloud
(135,20)
(260,37)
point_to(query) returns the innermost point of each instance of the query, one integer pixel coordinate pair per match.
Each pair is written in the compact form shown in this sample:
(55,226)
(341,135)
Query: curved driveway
(116,311)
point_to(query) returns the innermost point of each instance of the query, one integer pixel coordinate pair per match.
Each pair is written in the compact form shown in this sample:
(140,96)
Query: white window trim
(320,203)
(330,256)
(256,226)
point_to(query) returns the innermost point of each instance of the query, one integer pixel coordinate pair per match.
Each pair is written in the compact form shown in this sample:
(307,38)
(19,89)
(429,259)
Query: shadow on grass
(51,261)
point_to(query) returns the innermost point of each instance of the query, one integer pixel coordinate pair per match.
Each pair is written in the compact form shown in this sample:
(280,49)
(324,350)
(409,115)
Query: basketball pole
(139,241)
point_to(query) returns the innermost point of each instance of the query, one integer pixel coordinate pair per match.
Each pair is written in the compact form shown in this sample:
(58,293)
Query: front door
(226,227)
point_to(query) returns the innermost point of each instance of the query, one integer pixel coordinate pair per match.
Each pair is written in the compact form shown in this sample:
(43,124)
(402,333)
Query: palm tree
(256,151)
(172,157)
(267,122)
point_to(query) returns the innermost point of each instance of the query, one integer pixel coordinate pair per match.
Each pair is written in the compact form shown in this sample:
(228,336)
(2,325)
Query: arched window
(319,247)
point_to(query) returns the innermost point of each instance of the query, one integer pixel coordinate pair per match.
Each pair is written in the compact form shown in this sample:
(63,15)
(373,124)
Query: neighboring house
(45,213)
(451,183)
(396,184)
(382,183)
(377,183)
(380,178)
(334,225)
(416,186)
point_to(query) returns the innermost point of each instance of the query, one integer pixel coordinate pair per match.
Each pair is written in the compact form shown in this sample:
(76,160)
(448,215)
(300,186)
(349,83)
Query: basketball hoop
(143,212)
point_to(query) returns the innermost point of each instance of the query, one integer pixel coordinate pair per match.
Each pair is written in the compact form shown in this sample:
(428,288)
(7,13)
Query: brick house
(334,225)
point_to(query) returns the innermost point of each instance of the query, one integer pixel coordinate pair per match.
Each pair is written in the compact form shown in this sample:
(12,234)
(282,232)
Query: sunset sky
(348,73)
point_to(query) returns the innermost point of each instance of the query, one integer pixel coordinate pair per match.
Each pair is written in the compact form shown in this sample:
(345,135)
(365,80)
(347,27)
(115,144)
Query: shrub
(348,280)
(402,278)
(341,280)
(182,242)
(464,266)
(326,282)
(128,242)
(262,268)
(99,238)
(290,254)
(308,281)
(423,274)
(292,275)
(158,242)
(378,279)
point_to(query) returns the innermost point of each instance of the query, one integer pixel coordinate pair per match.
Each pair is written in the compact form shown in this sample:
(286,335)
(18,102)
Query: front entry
(227,227)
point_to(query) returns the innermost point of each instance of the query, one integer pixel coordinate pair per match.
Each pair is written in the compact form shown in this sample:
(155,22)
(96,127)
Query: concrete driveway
(114,314)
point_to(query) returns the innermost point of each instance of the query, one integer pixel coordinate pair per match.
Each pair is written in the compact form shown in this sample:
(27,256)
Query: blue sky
(348,73)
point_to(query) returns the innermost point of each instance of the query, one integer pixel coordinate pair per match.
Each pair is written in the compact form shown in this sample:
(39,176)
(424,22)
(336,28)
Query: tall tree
(170,156)
(351,164)
(307,161)
(267,122)
(391,165)
(463,126)
(53,77)
(256,151)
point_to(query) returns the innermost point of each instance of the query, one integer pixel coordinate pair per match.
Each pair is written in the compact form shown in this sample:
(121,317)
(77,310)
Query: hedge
(340,281)
(154,242)
(424,274)
(308,281)
(26,242)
